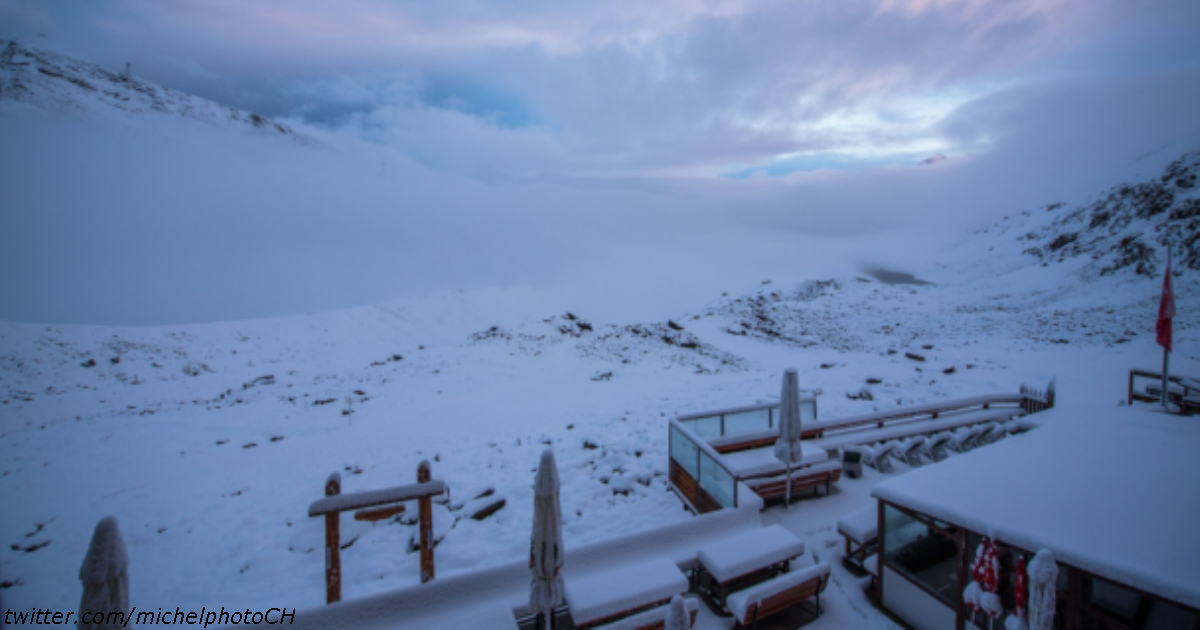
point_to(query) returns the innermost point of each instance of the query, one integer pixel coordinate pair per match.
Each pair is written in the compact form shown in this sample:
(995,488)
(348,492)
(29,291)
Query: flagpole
(1166,356)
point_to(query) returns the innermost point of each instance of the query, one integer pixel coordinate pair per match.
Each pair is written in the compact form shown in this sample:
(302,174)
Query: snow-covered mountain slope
(55,83)
(1126,228)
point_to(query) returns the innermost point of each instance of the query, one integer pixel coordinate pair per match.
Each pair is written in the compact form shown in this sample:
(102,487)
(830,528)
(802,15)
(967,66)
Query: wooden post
(333,559)
(961,579)
(425,519)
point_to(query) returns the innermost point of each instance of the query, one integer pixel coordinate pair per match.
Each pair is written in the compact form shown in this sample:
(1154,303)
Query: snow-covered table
(762,461)
(745,559)
(861,531)
(596,598)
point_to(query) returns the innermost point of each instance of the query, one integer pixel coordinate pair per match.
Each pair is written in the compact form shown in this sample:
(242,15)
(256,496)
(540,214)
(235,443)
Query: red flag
(1166,309)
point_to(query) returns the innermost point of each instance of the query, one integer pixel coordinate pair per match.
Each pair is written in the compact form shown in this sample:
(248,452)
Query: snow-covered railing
(932,410)
(697,472)
(387,502)
(743,420)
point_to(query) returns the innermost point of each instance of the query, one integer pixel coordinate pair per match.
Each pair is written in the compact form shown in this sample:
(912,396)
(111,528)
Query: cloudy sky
(629,89)
(804,115)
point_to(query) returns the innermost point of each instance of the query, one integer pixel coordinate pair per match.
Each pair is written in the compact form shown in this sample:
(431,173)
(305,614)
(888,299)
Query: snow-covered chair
(983,437)
(877,456)
(962,439)
(909,450)
(935,447)
(992,433)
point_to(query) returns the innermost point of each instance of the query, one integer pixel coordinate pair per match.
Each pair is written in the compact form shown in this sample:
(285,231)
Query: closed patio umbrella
(677,615)
(546,546)
(1043,581)
(105,576)
(787,447)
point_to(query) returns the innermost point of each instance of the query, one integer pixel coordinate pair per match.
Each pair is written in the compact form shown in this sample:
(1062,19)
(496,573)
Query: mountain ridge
(53,82)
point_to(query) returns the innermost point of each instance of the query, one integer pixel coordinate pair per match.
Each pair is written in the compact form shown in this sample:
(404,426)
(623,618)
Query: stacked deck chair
(963,439)
(909,450)
(935,447)
(879,459)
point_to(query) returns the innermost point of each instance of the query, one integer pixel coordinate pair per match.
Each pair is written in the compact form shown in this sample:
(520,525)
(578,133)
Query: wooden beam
(372,498)
(425,518)
(333,559)
(379,513)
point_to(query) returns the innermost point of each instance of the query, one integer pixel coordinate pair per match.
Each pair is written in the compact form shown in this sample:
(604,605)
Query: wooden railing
(383,504)
(1187,385)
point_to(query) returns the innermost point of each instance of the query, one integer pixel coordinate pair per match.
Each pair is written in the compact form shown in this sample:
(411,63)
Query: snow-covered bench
(745,559)
(819,476)
(653,619)
(861,531)
(778,594)
(600,598)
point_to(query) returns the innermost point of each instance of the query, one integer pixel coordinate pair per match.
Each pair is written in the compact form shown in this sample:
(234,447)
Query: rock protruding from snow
(105,574)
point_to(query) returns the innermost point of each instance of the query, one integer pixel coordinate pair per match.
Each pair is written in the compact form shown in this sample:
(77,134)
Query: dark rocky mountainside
(1130,227)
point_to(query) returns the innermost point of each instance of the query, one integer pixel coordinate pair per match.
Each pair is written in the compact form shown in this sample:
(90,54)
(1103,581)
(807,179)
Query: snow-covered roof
(1110,490)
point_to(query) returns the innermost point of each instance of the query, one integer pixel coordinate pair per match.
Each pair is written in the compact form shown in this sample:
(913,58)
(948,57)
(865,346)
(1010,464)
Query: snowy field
(210,466)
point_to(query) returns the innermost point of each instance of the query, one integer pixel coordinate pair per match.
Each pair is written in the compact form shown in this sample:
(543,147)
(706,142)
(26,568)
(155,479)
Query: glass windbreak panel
(1115,599)
(748,422)
(684,452)
(709,427)
(716,480)
(808,410)
(1166,616)
(921,553)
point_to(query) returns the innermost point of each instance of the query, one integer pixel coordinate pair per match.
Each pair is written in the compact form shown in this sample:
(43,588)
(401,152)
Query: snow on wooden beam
(371,498)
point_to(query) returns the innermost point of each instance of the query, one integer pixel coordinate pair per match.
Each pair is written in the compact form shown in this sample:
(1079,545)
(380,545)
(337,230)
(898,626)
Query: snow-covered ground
(209,466)
(208,441)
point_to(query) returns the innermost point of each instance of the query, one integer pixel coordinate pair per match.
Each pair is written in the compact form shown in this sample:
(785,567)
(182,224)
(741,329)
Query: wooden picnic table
(596,598)
(746,559)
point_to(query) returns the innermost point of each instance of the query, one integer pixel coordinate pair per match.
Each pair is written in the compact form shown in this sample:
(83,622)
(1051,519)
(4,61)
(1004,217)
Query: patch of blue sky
(476,99)
(808,162)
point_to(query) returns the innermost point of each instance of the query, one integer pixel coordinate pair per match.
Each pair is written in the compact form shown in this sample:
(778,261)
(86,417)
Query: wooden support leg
(333,559)
(425,518)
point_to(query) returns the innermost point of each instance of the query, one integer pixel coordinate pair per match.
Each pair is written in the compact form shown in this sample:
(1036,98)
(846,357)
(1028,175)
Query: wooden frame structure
(375,505)
(1156,378)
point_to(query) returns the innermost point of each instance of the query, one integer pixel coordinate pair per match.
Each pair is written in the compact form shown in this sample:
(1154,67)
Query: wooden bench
(778,594)
(653,619)
(861,531)
(822,475)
